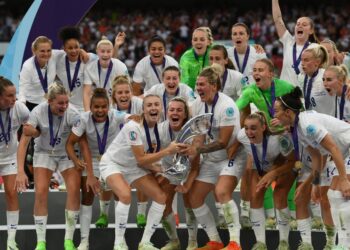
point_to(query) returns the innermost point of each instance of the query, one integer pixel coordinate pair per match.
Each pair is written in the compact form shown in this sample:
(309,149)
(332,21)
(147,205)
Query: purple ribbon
(164,99)
(273,99)
(245,60)
(53,138)
(259,167)
(102,143)
(216,98)
(71,82)
(109,70)
(43,80)
(224,79)
(7,136)
(148,137)
(155,69)
(307,91)
(295,137)
(296,61)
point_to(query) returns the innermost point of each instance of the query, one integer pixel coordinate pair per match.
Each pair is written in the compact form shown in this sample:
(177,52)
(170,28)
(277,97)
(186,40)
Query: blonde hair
(213,73)
(119,80)
(319,52)
(104,41)
(341,72)
(39,40)
(55,89)
(207,30)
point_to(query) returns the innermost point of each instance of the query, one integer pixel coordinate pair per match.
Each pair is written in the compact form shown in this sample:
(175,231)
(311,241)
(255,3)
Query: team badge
(311,130)
(77,123)
(132,136)
(230,112)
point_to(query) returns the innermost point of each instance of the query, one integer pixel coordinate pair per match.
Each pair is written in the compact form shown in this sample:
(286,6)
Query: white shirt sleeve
(79,127)
(25,78)
(133,134)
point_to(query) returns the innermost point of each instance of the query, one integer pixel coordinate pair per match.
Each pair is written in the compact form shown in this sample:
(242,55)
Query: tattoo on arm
(211,147)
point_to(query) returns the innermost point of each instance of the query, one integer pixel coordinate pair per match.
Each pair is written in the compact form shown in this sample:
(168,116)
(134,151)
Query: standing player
(100,73)
(149,70)
(50,124)
(193,61)
(12,115)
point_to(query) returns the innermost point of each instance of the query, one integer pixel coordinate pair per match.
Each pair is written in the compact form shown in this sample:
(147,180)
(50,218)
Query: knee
(161,198)
(125,197)
(87,198)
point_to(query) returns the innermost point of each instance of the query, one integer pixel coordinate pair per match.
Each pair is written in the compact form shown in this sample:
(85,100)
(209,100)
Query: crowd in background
(176,26)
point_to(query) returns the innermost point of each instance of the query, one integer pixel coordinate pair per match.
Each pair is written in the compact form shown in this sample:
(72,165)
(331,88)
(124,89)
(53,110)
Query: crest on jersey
(230,112)
(77,123)
(311,130)
(132,136)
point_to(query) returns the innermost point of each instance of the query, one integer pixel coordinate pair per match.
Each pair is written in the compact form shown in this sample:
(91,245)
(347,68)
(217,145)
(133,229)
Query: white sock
(335,199)
(121,219)
(104,207)
(142,207)
(12,223)
(283,217)
(232,220)
(304,227)
(155,214)
(293,214)
(257,217)
(40,227)
(270,213)
(206,219)
(192,224)
(71,221)
(345,218)
(169,225)
(85,221)
(315,209)
(245,207)
(219,208)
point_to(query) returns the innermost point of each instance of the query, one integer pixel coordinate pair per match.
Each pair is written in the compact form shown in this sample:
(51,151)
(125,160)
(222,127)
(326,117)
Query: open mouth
(329,90)
(300,32)
(124,101)
(238,42)
(257,79)
(153,113)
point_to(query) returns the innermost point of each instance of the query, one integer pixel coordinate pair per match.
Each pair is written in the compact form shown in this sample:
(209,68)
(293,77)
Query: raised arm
(277,18)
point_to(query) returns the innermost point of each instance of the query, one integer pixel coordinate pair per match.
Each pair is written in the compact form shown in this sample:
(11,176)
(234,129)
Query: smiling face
(72,48)
(283,115)
(8,97)
(262,75)
(99,109)
(206,91)
(331,82)
(104,53)
(171,80)
(239,36)
(254,130)
(152,109)
(217,56)
(43,53)
(122,96)
(303,29)
(309,62)
(200,42)
(59,104)
(157,51)
(176,115)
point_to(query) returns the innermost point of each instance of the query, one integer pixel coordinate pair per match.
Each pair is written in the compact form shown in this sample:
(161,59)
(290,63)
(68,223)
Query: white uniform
(145,74)
(253,56)
(119,157)
(288,74)
(234,83)
(276,145)
(136,106)
(30,88)
(226,113)
(92,77)
(86,125)
(44,154)
(313,127)
(320,100)
(76,98)
(346,114)
(18,115)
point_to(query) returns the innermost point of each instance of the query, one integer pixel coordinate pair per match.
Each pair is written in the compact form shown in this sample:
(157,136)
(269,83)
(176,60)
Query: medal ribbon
(53,138)
(148,137)
(164,99)
(307,91)
(295,137)
(216,98)
(273,99)
(197,58)
(296,61)
(7,136)
(259,167)
(71,83)
(102,143)
(155,69)
(224,79)
(43,80)
(109,70)
(245,60)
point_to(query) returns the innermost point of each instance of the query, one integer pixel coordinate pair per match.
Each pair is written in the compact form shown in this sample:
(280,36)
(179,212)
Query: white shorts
(210,171)
(326,175)
(108,167)
(8,169)
(52,162)
(347,166)
(95,168)
(237,165)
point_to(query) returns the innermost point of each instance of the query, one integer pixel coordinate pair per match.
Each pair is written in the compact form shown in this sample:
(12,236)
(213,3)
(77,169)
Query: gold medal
(99,157)
(298,165)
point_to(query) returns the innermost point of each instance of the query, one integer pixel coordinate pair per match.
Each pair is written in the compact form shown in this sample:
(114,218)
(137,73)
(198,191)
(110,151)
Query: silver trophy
(198,125)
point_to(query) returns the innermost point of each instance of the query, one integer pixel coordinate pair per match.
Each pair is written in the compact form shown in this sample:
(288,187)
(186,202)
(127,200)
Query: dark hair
(69,32)
(222,48)
(183,101)
(99,93)
(171,68)
(4,83)
(156,39)
(242,25)
(292,100)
